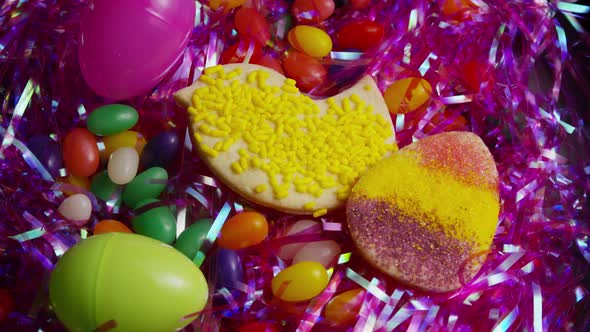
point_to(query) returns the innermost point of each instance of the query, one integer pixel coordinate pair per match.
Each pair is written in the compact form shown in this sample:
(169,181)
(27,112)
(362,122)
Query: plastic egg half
(136,282)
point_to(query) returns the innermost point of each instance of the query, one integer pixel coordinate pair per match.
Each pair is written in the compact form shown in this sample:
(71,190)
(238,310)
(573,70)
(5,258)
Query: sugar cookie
(427,214)
(280,148)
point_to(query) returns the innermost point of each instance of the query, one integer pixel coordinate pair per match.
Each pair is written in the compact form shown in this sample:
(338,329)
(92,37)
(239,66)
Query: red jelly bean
(305,70)
(474,73)
(257,327)
(270,62)
(312,11)
(237,52)
(6,304)
(358,4)
(250,23)
(361,35)
(80,152)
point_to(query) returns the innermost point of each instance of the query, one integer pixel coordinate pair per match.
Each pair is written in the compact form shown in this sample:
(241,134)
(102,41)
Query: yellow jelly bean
(126,139)
(407,95)
(300,282)
(310,40)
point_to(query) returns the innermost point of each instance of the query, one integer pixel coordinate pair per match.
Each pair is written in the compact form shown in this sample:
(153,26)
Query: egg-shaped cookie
(280,148)
(427,215)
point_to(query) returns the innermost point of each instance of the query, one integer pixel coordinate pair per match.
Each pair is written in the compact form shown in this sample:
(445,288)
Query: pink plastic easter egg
(128,46)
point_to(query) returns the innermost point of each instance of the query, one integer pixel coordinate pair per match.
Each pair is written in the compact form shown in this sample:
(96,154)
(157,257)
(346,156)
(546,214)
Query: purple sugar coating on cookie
(412,249)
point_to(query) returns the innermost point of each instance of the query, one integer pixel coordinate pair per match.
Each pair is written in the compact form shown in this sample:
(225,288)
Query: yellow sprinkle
(309,205)
(252,77)
(212,70)
(208,151)
(289,89)
(207,79)
(260,188)
(235,166)
(367,87)
(320,213)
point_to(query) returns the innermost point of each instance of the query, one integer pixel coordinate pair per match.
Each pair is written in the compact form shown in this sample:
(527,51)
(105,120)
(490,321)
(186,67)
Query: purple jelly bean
(48,152)
(160,150)
(226,268)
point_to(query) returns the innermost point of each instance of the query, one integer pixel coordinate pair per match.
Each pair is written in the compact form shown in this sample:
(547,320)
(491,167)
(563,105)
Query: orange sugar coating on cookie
(446,151)
(286,134)
(464,212)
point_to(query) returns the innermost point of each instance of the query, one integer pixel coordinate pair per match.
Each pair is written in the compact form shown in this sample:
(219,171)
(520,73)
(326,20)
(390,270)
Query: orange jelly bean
(457,8)
(80,152)
(343,308)
(243,230)
(110,226)
(407,95)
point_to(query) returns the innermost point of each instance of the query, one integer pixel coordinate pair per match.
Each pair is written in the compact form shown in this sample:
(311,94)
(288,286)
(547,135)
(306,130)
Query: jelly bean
(243,230)
(358,4)
(310,40)
(226,4)
(102,186)
(226,268)
(158,223)
(459,9)
(160,150)
(6,304)
(312,11)
(257,327)
(323,252)
(112,119)
(474,73)
(111,226)
(123,164)
(130,139)
(47,152)
(269,62)
(300,282)
(301,227)
(250,23)
(190,240)
(148,184)
(343,308)
(361,35)
(76,208)
(80,152)
(239,52)
(81,183)
(305,70)
(407,95)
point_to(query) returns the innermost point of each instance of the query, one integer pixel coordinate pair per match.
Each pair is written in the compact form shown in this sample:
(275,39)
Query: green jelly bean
(112,119)
(191,239)
(158,223)
(102,186)
(148,184)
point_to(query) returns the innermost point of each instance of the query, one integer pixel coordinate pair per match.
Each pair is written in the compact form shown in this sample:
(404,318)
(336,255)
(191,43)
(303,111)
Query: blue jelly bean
(161,150)
(48,152)
(226,268)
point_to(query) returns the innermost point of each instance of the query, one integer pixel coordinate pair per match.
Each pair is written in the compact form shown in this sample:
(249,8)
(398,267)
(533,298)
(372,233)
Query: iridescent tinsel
(530,110)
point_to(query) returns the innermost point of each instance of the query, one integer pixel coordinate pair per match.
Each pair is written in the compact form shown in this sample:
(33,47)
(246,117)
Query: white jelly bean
(76,208)
(288,251)
(323,252)
(123,165)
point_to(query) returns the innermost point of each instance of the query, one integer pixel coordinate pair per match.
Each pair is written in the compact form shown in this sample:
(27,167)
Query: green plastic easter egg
(147,184)
(138,283)
(158,223)
(191,239)
(102,186)
(112,119)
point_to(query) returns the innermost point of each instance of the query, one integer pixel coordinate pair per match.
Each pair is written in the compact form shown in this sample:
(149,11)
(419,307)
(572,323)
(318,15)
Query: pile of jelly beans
(107,139)
(310,44)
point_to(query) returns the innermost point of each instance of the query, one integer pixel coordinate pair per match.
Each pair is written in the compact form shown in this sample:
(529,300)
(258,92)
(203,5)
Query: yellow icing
(287,136)
(465,212)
